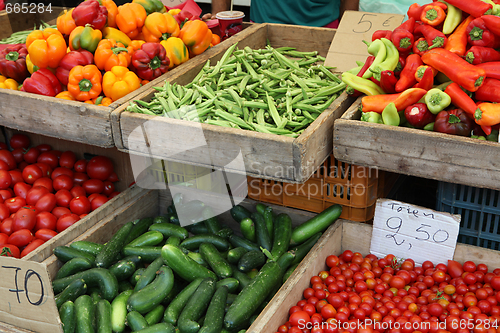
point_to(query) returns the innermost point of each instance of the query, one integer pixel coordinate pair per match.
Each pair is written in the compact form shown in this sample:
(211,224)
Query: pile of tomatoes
(44,191)
(365,295)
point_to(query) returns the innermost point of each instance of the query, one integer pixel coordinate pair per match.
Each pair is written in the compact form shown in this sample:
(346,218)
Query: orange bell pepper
(118,82)
(46,48)
(66,95)
(65,22)
(6,83)
(85,82)
(487,114)
(117,35)
(160,26)
(130,19)
(109,53)
(100,101)
(112,12)
(196,36)
(177,52)
(135,45)
(377,103)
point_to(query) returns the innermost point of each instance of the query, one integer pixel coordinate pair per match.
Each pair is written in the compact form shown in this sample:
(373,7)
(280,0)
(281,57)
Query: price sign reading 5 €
(409,231)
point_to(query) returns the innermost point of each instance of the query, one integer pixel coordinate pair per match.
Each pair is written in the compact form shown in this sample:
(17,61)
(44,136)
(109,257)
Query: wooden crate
(265,155)
(403,150)
(63,119)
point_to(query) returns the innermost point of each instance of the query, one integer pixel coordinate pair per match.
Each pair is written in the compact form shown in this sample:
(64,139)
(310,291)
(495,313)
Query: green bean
(233,119)
(224,58)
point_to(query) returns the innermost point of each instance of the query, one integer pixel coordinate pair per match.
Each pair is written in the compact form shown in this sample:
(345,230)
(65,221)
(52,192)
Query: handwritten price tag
(409,231)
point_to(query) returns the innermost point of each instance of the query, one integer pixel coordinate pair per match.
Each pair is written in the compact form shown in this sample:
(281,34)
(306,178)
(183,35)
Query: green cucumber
(319,223)
(124,285)
(123,269)
(247,228)
(136,321)
(74,290)
(95,293)
(198,228)
(211,222)
(85,313)
(173,240)
(135,277)
(154,293)
(303,249)
(239,213)
(159,328)
(282,235)
(119,311)
(140,226)
(243,279)
(196,306)
(154,316)
(225,233)
(289,272)
(198,258)
(286,260)
(214,319)
(161,219)
(112,248)
(175,307)
(219,265)
(234,255)
(103,317)
(68,317)
(261,208)
(147,253)
(100,277)
(88,247)
(170,229)
(230,298)
(193,243)
(66,253)
(185,267)
(149,238)
(232,284)
(253,295)
(137,260)
(268,218)
(74,266)
(251,260)
(149,274)
(261,233)
(238,241)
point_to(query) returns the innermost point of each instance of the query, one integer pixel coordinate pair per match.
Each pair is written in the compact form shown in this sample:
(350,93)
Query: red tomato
(46,203)
(17,176)
(67,159)
(45,234)
(6,226)
(93,186)
(22,165)
(61,171)
(3,145)
(495,282)
(21,190)
(5,179)
(4,211)
(108,188)
(45,220)
(66,221)
(9,250)
(98,201)
(80,205)
(58,153)
(455,269)
(35,193)
(114,194)
(8,158)
(25,218)
(49,158)
(45,182)
(60,211)
(299,318)
(78,191)
(19,141)
(79,178)
(32,246)
(44,147)
(80,166)
(3,238)
(469,266)
(46,169)
(4,166)
(93,196)
(113,178)
(20,238)
(63,197)
(32,173)
(62,182)
(100,167)
(5,194)
(31,155)
(15,204)
(18,154)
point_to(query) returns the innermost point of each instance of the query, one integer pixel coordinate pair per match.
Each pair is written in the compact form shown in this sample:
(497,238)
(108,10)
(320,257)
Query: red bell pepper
(92,13)
(377,103)
(489,91)
(418,115)
(455,122)
(183,16)
(434,37)
(13,62)
(70,60)
(479,35)
(420,46)
(415,10)
(427,80)
(42,82)
(402,36)
(492,69)
(379,34)
(460,99)
(407,76)
(388,82)
(492,22)
(150,61)
(479,54)
(475,8)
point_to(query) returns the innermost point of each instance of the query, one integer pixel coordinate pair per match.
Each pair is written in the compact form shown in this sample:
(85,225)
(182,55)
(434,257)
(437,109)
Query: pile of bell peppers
(438,71)
(100,52)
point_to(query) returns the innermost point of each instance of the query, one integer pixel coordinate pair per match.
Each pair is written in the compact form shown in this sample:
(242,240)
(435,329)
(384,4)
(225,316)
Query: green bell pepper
(372,117)
(390,115)
(437,100)
(152,6)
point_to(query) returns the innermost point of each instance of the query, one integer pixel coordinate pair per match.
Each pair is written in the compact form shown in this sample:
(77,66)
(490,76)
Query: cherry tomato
(67,159)
(31,156)
(114,194)
(100,167)
(32,173)
(35,193)
(63,197)
(46,203)
(18,154)
(4,146)
(3,238)
(9,250)
(98,201)
(61,171)
(66,221)
(80,205)
(113,178)
(469,266)
(5,179)
(44,147)
(62,182)
(6,226)
(80,166)
(78,191)
(25,218)
(332,261)
(8,158)
(495,282)
(46,169)
(17,176)
(20,238)
(32,246)
(79,178)
(4,166)
(299,318)
(15,204)
(45,220)
(45,182)
(60,211)
(49,158)
(110,188)
(93,186)
(45,234)
(19,141)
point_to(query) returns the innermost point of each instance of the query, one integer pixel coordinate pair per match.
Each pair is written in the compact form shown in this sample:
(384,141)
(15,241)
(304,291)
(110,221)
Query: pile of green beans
(20,36)
(277,91)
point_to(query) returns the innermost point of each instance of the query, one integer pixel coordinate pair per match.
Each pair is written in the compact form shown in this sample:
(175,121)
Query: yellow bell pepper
(65,22)
(118,82)
(174,11)
(46,48)
(6,83)
(196,35)
(66,95)
(159,27)
(31,68)
(115,34)
(177,52)
(130,19)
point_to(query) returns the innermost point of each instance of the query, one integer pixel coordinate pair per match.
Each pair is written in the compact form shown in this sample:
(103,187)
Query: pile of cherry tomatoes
(44,191)
(365,295)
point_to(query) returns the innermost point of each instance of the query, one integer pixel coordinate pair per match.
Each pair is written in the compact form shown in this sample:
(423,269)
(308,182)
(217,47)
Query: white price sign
(409,231)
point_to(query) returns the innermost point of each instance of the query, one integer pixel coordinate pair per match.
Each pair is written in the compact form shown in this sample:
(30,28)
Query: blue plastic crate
(480,211)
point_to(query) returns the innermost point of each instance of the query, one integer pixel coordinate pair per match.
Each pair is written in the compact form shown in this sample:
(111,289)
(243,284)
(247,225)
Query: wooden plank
(415,152)
(6,328)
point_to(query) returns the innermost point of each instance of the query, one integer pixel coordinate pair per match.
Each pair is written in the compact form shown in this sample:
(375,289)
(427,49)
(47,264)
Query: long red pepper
(492,69)
(460,99)
(434,37)
(402,36)
(475,8)
(379,34)
(388,82)
(479,35)
(427,80)
(407,76)
(489,91)
(492,22)
(479,54)
(377,103)
(368,62)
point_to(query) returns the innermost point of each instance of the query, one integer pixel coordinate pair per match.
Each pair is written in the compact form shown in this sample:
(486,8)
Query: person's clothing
(315,13)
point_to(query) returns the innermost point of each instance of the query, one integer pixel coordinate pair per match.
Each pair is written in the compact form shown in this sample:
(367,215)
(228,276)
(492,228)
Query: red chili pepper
(433,15)
(90,12)
(400,65)
(379,34)
(489,91)
(492,69)
(70,60)
(402,39)
(434,37)
(479,54)
(455,122)
(42,82)
(418,115)
(415,10)
(388,82)
(486,129)
(13,62)
(150,61)
(492,22)
(407,76)
(460,99)
(427,80)
(479,35)
(420,46)
(475,8)
(368,62)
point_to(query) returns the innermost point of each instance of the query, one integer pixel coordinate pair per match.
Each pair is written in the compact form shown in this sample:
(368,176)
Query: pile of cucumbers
(154,275)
